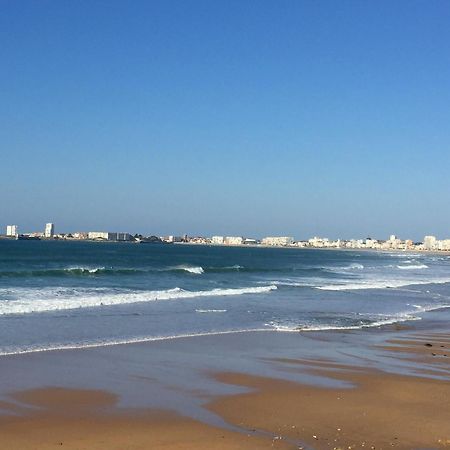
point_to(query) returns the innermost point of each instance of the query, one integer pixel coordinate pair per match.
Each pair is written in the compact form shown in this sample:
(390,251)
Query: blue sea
(82,294)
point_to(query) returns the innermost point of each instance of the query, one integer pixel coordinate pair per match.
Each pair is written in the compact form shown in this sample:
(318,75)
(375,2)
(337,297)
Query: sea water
(56,294)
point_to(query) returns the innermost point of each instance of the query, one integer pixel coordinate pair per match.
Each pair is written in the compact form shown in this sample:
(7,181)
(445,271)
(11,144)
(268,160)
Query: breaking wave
(194,270)
(354,266)
(413,267)
(56,300)
(101,270)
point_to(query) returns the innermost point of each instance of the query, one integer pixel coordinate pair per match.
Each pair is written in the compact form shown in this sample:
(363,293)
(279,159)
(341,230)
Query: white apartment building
(217,240)
(80,235)
(444,245)
(277,241)
(49,230)
(409,244)
(319,242)
(233,240)
(430,242)
(108,236)
(12,230)
(102,235)
(354,243)
(371,243)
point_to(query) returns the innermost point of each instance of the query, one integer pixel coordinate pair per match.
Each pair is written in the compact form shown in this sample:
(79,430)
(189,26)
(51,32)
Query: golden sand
(378,411)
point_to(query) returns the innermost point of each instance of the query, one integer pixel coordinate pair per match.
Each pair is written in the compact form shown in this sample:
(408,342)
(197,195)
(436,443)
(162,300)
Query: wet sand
(79,419)
(309,395)
(381,411)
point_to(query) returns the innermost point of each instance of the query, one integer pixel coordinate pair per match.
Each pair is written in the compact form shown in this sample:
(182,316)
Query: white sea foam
(354,266)
(64,299)
(292,283)
(326,327)
(404,255)
(210,310)
(194,270)
(82,269)
(413,267)
(339,269)
(429,308)
(111,343)
(381,284)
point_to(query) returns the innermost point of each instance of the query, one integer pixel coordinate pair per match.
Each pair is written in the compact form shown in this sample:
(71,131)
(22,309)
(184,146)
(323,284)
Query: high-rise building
(49,230)
(12,230)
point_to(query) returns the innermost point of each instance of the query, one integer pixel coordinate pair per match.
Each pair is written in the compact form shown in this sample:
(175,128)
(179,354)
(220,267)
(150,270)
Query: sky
(249,118)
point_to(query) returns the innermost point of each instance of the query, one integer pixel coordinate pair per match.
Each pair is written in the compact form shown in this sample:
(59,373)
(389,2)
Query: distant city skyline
(237,118)
(316,240)
(429,242)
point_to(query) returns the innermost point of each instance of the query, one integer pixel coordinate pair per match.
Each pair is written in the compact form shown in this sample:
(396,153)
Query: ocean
(56,294)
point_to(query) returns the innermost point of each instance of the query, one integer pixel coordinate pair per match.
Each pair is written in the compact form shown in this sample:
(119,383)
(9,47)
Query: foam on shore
(110,343)
(381,284)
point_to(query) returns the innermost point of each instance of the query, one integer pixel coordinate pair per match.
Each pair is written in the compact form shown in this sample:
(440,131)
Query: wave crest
(413,267)
(57,300)
(194,270)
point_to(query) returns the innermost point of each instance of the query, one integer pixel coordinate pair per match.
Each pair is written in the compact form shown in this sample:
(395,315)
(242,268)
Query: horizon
(254,119)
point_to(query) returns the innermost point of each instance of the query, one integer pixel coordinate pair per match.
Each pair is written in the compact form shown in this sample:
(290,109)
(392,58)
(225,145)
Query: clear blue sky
(233,117)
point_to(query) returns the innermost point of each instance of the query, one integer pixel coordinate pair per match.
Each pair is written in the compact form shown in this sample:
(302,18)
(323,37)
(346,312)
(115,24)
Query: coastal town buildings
(233,240)
(281,241)
(429,242)
(108,236)
(101,235)
(371,243)
(319,242)
(12,230)
(123,237)
(172,239)
(49,230)
(79,235)
(444,245)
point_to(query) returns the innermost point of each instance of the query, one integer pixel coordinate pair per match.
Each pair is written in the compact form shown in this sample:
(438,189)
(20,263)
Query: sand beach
(376,389)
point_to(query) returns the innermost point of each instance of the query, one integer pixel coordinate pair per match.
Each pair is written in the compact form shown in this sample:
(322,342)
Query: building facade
(12,230)
(102,235)
(49,230)
(233,240)
(108,236)
(282,241)
(429,242)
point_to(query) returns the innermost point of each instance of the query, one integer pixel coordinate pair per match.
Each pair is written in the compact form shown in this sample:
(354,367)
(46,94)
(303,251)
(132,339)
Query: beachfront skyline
(230,118)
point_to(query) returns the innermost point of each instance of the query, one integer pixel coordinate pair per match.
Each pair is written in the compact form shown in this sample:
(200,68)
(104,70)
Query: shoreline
(386,327)
(250,246)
